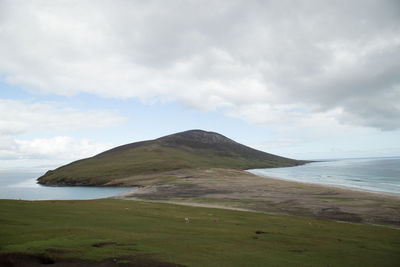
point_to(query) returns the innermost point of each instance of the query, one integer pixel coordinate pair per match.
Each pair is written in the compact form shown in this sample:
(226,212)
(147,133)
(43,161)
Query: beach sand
(234,189)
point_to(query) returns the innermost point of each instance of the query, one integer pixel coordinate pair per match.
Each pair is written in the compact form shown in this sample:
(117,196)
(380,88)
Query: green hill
(185,150)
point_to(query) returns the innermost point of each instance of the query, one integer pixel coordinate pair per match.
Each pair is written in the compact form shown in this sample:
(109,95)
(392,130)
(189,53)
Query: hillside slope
(185,150)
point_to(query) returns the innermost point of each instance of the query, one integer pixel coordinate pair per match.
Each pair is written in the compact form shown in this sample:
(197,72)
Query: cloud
(19,117)
(41,154)
(28,117)
(290,59)
(55,148)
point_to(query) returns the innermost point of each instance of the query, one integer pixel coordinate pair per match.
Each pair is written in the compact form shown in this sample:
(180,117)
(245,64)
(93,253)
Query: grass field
(99,229)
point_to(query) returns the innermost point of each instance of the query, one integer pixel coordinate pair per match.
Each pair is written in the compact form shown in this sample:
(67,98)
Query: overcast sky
(302,79)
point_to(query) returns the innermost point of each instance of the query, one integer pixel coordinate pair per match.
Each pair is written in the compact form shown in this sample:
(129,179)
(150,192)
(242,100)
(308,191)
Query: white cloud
(22,116)
(47,153)
(28,117)
(237,56)
(60,147)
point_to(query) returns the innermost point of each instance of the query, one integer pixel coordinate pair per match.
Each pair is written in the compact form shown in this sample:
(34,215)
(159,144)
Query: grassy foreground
(99,229)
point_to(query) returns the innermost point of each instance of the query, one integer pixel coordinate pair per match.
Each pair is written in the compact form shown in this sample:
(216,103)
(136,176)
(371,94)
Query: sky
(301,79)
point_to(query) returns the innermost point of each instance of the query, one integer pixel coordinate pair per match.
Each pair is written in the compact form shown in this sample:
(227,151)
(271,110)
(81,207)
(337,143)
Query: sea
(17,184)
(371,174)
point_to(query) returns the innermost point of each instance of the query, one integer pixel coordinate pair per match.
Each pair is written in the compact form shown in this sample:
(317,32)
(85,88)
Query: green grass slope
(190,149)
(99,229)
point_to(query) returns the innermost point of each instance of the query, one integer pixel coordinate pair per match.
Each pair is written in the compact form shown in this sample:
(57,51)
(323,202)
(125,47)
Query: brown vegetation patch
(103,244)
(336,214)
(183,191)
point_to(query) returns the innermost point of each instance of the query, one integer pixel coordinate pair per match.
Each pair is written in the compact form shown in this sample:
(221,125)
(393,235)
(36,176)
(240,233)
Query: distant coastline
(353,158)
(372,174)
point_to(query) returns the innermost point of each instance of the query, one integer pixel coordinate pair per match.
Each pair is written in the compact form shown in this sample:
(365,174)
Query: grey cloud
(226,55)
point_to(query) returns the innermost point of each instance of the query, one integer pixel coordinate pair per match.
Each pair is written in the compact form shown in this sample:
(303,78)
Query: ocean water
(16,184)
(373,174)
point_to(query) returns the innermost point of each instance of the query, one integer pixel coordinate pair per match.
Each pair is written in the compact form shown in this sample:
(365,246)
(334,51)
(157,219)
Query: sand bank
(245,191)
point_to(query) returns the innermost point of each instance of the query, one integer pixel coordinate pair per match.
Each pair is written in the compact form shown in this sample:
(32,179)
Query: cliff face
(185,150)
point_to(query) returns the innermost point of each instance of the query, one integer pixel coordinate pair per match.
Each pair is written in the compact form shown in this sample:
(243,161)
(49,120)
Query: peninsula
(207,169)
(185,150)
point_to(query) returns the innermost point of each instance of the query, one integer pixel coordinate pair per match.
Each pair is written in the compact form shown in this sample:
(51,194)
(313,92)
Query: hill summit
(184,150)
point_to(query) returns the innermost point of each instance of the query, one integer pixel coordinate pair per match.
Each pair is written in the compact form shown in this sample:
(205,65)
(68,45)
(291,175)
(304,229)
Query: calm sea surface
(376,174)
(22,185)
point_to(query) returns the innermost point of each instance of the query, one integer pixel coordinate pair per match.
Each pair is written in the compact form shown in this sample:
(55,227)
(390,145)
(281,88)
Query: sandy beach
(233,189)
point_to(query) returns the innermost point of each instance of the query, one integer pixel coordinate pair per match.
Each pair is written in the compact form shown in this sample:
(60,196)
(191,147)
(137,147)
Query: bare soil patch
(245,191)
